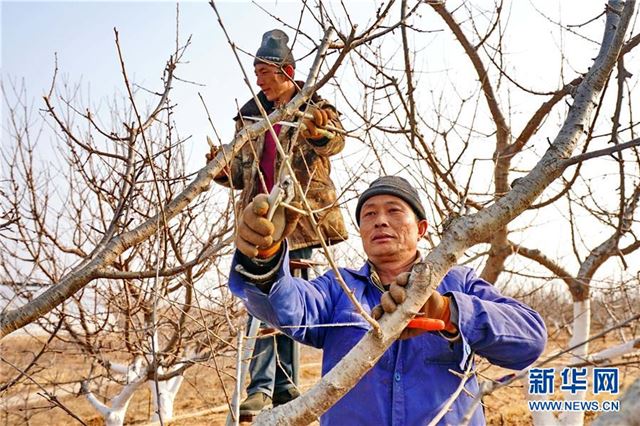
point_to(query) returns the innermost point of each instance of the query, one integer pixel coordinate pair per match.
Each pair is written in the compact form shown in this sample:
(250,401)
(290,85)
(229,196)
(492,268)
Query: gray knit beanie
(396,186)
(274,49)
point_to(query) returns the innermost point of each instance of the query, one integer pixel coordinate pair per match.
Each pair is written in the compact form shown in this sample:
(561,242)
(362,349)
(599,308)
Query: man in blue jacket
(412,380)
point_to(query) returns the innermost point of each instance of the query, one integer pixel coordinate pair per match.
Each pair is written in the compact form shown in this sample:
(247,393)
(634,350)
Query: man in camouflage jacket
(257,168)
(310,161)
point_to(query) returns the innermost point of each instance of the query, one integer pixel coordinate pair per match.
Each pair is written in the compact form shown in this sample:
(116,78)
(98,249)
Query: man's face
(390,229)
(272,81)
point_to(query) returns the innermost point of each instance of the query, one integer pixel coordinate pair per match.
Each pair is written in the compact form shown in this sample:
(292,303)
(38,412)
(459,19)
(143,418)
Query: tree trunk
(581,332)
(163,405)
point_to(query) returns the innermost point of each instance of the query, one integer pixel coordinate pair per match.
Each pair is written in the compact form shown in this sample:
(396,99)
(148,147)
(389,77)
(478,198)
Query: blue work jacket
(411,382)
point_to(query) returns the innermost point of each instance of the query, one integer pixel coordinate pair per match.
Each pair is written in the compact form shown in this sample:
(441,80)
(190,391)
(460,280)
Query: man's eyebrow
(385,203)
(397,203)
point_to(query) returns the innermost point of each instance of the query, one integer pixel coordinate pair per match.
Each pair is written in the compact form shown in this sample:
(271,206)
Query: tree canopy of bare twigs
(532,182)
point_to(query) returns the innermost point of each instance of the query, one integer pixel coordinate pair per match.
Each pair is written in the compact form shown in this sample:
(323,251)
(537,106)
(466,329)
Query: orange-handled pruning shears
(427,324)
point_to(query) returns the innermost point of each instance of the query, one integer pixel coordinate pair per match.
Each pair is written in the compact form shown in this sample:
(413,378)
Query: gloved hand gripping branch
(314,121)
(435,315)
(265,222)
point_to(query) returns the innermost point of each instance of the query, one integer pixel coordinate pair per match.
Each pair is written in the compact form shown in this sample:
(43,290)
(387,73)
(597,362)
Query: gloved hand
(213,151)
(321,118)
(258,237)
(437,306)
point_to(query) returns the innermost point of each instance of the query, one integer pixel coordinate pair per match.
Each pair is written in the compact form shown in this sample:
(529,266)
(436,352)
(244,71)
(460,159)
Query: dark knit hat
(274,49)
(396,186)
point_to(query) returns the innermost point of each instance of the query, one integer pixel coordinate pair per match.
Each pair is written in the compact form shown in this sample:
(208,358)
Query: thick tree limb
(601,152)
(539,257)
(499,251)
(629,414)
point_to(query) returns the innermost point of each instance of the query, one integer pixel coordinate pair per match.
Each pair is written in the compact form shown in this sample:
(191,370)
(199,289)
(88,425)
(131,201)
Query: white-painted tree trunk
(581,328)
(168,390)
(114,413)
(163,394)
(581,331)
(540,418)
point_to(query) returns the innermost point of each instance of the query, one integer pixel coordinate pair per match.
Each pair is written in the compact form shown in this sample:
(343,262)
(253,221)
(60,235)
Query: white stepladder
(245,350)
(242,367)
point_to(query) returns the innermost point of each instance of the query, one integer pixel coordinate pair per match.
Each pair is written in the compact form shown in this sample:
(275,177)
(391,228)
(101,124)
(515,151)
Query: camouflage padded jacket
(310,161)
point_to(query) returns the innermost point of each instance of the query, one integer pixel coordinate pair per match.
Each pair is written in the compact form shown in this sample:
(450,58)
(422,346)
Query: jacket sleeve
(327,147)
(505,331)
(231,176)
(292,304)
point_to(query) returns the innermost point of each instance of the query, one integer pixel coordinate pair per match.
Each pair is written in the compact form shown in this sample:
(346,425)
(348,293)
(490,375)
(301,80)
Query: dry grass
(201,399)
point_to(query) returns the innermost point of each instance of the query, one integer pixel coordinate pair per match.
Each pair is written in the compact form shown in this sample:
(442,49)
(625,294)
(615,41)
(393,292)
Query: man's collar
(363,272)
(375,278)
(369,270)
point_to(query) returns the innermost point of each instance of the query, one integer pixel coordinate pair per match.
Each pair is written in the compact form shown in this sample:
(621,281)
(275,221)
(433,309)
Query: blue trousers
(271,368)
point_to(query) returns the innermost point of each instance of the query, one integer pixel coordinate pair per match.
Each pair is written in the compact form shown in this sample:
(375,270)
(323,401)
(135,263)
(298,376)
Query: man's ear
(289,70)
(422,228)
